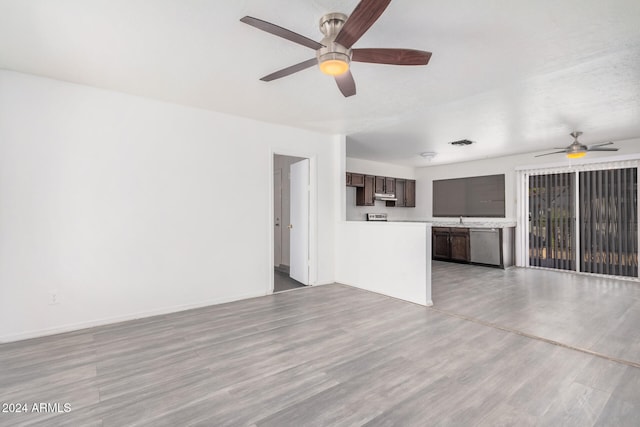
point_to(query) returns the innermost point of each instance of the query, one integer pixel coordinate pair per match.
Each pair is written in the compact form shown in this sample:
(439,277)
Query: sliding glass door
(552,221)
(584,221)
(609,222)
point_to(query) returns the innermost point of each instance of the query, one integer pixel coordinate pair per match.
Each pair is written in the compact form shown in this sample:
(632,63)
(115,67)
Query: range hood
(388,197)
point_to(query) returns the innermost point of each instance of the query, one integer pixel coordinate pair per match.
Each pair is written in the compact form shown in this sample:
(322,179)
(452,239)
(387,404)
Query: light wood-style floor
(335,355)
(593,313)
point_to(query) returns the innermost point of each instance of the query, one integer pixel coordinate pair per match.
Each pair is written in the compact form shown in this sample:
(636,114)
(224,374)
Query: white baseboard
(71,327)
(323,283)
(428,303)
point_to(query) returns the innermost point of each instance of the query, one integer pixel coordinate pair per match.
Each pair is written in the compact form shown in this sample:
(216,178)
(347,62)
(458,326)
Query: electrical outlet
(54,298)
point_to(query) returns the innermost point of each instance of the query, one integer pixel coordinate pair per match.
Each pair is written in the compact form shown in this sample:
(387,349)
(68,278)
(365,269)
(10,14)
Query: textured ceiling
(514,76)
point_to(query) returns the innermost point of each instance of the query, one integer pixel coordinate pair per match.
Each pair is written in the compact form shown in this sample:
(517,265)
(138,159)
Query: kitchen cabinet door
(460,249)
(357,180)
(379,184)
(450,244)
(441,248)
(400,203)
(364,195)
(410,193)
(389,185)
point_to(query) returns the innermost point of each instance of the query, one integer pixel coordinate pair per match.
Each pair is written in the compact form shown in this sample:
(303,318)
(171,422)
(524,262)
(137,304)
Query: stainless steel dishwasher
(485,245)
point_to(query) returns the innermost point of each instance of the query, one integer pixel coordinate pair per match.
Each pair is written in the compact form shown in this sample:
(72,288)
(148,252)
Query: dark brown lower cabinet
(460,249)
(450,244)
(441,247)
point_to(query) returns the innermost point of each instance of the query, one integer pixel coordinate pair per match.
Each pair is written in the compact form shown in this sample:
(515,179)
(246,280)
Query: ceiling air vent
(461,143)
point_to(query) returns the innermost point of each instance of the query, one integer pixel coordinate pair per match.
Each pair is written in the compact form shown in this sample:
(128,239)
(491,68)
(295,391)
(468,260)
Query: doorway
(291,222)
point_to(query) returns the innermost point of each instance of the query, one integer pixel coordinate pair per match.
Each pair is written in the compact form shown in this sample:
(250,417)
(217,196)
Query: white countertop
(466,224)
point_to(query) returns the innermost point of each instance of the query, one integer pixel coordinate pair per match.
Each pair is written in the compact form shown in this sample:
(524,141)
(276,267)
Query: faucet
(460,219)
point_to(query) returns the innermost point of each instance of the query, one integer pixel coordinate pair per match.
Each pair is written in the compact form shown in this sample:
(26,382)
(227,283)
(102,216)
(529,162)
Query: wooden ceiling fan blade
(361,19)
(290,70)
(602,149)
(346,84)
(553,152)
(281,32)
(391,56)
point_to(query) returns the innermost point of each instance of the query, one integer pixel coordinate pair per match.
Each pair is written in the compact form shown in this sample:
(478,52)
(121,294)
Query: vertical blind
(552,221)
(609,221)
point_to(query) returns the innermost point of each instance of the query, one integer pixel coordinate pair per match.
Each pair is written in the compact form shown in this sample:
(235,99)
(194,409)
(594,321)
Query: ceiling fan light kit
(333,66)
(576,155)
(334,53)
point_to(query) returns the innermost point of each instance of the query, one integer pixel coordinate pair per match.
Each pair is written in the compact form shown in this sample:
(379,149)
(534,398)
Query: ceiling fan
(334,52)
(577,150)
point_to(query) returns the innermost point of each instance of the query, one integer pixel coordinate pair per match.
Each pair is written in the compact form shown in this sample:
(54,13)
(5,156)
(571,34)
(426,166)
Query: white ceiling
(514,76)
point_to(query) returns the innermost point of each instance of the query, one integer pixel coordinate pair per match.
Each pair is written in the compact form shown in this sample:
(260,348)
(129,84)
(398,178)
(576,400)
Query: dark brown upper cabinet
(365,194)
(389,185)
(400,194)
(385,185)
(355,179)
(410,193)
(368,185)
(379,184)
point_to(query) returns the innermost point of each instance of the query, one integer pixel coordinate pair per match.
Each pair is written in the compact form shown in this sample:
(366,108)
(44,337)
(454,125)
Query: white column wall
(389,258)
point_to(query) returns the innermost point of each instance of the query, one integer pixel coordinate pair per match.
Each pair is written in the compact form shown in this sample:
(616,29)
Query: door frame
(313,214)
(277,174)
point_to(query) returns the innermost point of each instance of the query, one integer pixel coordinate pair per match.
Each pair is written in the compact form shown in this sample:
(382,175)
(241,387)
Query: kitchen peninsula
(490,243)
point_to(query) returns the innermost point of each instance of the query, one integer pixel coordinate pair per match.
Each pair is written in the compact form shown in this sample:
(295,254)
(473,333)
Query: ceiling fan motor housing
(576,148)
(330,25)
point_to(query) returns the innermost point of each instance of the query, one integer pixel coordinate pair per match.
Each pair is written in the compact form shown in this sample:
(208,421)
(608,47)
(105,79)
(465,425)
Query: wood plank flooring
(331,355)
(594,313)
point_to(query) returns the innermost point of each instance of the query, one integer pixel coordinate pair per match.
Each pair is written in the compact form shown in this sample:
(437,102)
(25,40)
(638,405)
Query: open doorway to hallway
(291,222)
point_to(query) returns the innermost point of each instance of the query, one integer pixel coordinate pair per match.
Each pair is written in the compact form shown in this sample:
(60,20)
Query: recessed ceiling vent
(461,143)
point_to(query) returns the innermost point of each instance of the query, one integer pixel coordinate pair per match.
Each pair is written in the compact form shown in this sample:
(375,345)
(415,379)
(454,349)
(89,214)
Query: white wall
(128,206)
(368,167)
(389,258)
(507,165)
